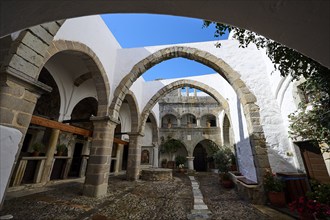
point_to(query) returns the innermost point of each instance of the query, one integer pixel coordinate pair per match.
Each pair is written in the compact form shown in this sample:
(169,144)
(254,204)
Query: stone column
(50,155)
(134,156)
(190,163)
(96,181)
(195,92)
(119,158)
(18,97)
(179,122)
(179,92)
(156,151)
(187,91)
(198,122)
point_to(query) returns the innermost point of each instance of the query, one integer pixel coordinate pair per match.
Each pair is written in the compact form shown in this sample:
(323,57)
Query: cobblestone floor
(132,200)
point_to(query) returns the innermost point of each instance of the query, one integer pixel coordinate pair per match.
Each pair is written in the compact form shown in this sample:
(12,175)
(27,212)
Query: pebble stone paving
(184,197)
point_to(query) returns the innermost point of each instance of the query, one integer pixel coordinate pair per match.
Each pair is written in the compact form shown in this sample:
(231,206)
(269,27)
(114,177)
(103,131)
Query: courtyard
(134,200)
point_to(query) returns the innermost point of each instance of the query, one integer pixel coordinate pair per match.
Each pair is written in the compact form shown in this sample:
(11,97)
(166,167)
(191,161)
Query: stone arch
(27,52)
(166,124)
(201,151)
(176,85)
(94,65)
(189,119)
(212,122)
(83,111)
(134,110)
(246,97)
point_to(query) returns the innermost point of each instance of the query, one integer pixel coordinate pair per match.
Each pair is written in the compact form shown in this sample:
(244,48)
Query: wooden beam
(58,125)
(119,141)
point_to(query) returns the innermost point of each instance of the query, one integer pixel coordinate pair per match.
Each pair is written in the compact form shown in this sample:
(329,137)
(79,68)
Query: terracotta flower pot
(277,198)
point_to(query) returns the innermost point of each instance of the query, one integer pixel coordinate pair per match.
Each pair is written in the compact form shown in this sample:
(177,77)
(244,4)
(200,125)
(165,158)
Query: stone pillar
(187,91)
(195,92)
(179,92)
(179,122)
(97,175)
(50,155)
(156,151)
(134,156)
(18,97)
(190,163)
(198,122)
(119,158)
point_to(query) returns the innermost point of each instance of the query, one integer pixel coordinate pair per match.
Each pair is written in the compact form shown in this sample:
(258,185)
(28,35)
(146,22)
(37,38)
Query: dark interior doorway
(76,160)
(200,160)
(125,157)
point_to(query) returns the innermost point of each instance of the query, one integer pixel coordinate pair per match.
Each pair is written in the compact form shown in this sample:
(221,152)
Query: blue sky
(140,30)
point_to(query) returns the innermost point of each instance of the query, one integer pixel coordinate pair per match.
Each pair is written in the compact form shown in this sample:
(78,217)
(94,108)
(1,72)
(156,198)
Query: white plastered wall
(93,32)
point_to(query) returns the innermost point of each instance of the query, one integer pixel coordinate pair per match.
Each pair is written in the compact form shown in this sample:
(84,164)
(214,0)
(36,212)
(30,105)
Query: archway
(203,152)
(169,121)
(80,117)
(244,94)
(200,158)
(177,85)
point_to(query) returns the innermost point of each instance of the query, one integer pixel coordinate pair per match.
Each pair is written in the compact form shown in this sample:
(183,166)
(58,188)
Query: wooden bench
(247,181)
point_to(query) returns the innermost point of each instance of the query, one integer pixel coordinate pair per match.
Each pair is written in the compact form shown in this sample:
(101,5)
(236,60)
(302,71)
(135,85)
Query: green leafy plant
(272,183)
(222,159)
(319,192)
(180,160)
(61,148)
(311,121)
(170,146)
(37,147)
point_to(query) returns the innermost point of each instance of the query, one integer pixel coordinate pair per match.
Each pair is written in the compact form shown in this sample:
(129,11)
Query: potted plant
(37,148)
(170,146)
(222,160)
(233,162)
(274,187)
(61,149)
(180,161)
(164,163)
(309,209)
(316,203)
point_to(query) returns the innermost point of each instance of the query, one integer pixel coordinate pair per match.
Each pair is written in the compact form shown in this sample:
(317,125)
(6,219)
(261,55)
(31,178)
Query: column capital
(105,118)
(135,134)
(28,82)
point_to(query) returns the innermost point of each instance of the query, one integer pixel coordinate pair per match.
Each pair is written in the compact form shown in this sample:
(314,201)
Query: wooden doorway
(313,161)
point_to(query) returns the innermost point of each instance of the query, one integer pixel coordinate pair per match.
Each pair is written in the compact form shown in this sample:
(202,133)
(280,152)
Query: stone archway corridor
(175,199)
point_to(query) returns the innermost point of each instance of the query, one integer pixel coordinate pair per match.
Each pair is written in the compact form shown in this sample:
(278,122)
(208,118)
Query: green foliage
(170,146)
(312,119)
(272,183)
(308,124)
(320,192)
(38,146)
(180,160)
(61,148)
(222,159)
